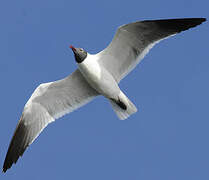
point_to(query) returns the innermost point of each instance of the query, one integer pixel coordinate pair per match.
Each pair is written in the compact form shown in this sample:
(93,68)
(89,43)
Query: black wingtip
(5,167)
(4,170)
(203,19)
(17,146)
(177,25)
(183,24)
(196,21)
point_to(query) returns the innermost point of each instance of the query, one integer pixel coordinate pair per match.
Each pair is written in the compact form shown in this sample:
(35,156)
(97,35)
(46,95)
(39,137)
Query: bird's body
(98,77)
(105,84)
(97,74)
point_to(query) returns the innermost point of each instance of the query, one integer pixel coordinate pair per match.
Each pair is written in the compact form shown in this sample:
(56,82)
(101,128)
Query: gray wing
(133,41)
(48,102)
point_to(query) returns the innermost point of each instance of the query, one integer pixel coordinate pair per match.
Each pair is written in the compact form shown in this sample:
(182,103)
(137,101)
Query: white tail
(121,113)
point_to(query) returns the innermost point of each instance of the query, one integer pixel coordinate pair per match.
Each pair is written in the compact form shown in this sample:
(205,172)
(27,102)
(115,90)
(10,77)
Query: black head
(79,53)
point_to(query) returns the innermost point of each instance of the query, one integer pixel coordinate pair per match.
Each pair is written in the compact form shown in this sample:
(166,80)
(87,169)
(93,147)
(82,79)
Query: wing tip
(180,25)
(4,170)
(203,19)
(15,149)
(11,158)
(7,165)
(8,162)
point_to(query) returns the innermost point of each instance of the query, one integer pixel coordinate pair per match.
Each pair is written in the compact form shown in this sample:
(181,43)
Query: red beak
(73,49)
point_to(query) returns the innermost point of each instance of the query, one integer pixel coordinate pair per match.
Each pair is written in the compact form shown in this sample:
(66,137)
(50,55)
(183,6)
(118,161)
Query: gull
(97,74)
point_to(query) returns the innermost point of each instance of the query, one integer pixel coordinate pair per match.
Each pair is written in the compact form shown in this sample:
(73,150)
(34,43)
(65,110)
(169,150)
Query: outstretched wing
(133,41)
(48,102)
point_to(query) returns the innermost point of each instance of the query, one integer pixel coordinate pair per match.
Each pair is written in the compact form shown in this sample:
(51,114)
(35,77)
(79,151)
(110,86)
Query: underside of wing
(48,102)
(33,120)
(133,41)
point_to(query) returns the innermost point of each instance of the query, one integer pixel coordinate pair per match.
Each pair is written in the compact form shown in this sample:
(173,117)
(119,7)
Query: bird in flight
(97,74)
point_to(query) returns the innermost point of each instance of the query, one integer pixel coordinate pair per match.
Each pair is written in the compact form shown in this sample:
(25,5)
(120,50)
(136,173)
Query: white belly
(98,77)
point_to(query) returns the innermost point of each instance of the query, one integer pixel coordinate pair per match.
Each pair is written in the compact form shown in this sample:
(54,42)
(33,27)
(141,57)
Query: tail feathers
(121,104)
(123,113)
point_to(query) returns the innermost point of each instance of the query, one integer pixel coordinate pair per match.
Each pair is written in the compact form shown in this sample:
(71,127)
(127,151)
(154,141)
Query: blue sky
(166,139)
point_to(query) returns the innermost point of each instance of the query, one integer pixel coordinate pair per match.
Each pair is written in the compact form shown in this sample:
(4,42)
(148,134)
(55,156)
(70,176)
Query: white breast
(98,77)
(90,68)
